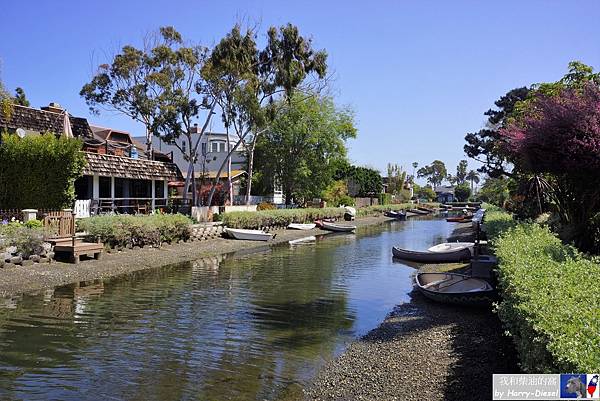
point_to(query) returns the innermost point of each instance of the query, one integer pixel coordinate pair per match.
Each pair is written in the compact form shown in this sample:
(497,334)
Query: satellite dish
(20,132)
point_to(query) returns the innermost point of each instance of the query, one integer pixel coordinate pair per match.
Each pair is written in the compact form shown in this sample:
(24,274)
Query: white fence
(82,208)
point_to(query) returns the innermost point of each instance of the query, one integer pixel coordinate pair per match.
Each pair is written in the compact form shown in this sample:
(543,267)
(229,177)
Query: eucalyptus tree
(247,82)
(435,173)
(160,86)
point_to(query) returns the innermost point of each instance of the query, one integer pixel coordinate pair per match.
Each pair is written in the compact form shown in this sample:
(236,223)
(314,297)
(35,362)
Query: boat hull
(395,215)
(432,257)
(248,235)
(481,298)
(298,226)
(337,227)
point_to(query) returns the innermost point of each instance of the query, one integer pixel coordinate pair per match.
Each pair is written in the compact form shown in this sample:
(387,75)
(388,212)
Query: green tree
(301,149)
(245,82)
(462,192)
(496,190)
(461,172)
(424,192)
(20,97)
(473,177)
(435,173)
(160,86)
(396,178)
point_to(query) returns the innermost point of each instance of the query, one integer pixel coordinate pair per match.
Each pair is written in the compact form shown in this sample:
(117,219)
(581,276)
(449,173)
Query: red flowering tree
(559,135)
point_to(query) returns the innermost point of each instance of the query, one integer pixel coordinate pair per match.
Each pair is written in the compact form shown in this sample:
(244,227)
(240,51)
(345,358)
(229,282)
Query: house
(118,175)
(444,193)
(212,152)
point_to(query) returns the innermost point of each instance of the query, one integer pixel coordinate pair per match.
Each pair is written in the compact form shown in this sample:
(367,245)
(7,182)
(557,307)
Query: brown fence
(362,202)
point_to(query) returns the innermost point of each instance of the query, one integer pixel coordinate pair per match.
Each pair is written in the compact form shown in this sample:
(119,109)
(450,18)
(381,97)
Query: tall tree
(435,173)
(461,172)
(486,144)
(303,145)
(160,86)
(473,177)
(247,82)
(396,178)
(20,97)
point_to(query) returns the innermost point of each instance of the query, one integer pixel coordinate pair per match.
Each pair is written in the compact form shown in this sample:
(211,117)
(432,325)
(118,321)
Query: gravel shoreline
(42,276)
(422,351)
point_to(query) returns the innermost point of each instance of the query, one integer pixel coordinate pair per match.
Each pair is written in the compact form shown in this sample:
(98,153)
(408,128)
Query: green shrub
(28,240)
(280,217)
(34,224)
(39,171)
(127,230)
(385,199)
(550,301)
(496,222)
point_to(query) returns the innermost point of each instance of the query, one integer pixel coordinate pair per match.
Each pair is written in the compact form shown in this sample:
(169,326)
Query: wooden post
(153,194)
(73,228)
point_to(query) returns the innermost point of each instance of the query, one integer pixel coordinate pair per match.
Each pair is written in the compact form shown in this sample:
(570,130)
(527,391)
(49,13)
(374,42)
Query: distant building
(444,193)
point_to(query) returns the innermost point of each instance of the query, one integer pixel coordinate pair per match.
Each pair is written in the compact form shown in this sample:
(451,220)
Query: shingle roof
(125,167)
(43,121)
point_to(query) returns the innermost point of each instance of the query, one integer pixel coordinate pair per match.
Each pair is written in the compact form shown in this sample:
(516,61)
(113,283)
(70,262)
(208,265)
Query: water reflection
(245,326)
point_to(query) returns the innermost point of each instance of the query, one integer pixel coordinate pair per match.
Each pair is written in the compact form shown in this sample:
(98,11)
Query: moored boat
(452,246)
(248,235)
(395,215)
(303,240)
(459,219)
(337,227)
(453,256)
(455,288)
(417,211)
(300,226)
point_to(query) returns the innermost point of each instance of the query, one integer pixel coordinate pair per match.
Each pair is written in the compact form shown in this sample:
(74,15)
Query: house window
(159,187)
(217,146)
(183,149)
(104,187)
(204,149)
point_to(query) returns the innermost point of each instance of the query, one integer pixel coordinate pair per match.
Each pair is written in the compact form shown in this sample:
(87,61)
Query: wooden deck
(78,248)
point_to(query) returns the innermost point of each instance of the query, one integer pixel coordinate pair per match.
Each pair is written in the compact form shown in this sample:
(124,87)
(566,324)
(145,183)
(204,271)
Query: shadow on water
(243,326)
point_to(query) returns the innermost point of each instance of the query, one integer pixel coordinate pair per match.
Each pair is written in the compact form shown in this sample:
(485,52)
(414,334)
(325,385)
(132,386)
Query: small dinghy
(417,211)
(424,209)
(395,215)
(299,226)
(455,288)
(249,235)
(453,256)
(337,227)
(452,246)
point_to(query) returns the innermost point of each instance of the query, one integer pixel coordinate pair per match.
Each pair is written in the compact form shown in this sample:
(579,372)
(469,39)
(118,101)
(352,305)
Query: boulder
(16,260)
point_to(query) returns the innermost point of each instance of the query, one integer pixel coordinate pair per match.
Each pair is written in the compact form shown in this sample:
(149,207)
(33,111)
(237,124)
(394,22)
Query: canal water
(241,327)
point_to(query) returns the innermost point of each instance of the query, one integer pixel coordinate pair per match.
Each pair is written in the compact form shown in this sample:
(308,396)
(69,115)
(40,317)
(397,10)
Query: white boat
(337,227)
(249,235)
(299,226)
(302,240)
(447,247)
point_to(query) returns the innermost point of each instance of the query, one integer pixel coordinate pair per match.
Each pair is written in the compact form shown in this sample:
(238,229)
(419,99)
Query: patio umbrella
(67,130)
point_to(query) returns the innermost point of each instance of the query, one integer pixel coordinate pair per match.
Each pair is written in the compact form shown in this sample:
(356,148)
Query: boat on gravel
(454,288)
(452,256)
(249,235)
(337,227)
(417,211)
(446,247)
(300,226)
(395,215)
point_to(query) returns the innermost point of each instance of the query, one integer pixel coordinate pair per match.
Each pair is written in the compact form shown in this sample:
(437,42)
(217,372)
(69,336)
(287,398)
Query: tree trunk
(250,172)
(229,182)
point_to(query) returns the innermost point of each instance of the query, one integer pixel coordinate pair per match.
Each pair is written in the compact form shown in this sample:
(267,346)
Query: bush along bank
(126,231)
(550,298)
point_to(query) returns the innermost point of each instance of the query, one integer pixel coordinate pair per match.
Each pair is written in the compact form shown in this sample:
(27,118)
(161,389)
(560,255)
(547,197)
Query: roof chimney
(195,129)
(53,107)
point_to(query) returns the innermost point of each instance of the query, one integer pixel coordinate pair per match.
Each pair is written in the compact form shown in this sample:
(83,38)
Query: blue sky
(418,74)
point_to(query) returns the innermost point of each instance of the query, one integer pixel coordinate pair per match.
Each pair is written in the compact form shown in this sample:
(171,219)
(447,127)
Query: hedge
(550,298)
(280,217)
(39,171)
(128,231)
